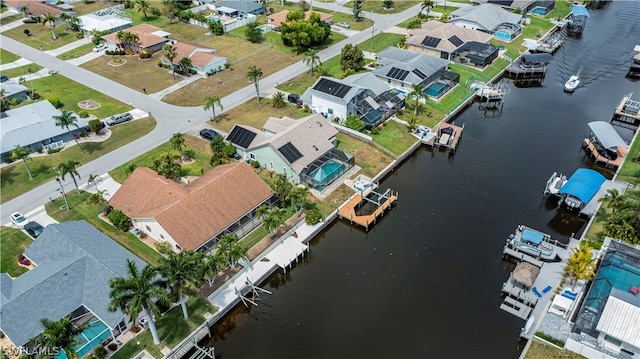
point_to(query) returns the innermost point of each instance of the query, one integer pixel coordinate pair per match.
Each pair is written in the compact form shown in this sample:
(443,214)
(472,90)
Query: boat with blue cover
(532,242)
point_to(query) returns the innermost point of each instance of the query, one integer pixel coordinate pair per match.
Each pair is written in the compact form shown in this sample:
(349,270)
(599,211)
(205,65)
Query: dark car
(208,134)
(293,98)
(34,229)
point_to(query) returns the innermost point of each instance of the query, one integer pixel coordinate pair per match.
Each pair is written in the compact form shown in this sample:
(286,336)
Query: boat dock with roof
(528,66)
(605,144)
(627,114)
(367,204)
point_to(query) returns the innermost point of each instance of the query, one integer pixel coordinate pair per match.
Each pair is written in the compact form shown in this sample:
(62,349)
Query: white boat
(554,183)
(528,325)
(572,83)
(534,243)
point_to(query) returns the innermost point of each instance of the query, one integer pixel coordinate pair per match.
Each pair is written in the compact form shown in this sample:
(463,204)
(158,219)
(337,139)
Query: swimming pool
(539,10)
(264,28)
(326,173)
(436,89)
(90,337)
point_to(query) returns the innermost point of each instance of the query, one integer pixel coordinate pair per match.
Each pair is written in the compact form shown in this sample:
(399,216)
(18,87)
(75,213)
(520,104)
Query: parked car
(34,229)
(293,98)
(4,78)
(116,119)
(19,220)
(208,134)
(344,24)
(100,47)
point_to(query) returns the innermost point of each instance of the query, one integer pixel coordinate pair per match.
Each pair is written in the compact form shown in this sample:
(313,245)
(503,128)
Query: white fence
(54,145)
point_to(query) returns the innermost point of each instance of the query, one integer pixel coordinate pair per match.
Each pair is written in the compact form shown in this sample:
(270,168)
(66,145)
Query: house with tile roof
(304,150)
(194,216)
(37,8)
(73,265)
(363,95)
(204,61)
(33,127)
(502,24)
(442,40)
(150,38)
(275,20)
(402,69)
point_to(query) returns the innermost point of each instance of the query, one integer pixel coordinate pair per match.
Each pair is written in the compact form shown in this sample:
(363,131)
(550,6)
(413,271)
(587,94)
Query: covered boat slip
(582,186)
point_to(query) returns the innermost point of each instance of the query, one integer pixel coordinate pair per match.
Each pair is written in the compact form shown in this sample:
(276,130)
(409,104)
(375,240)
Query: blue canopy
(583,184)
(531,236)
(579,11)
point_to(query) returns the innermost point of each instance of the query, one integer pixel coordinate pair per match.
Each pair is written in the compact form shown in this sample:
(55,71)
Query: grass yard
(40,35)
(378,7)
(249,114)
(428,115)
(334,200)
(595,232)
(7,57)
(133,72)
(14,178)
(13,243)
(395,137)
(560,8)
(81,210)
(630,170)
(298,84)
(86,7)
(369,158)
(443,10)
(538,350)
(381,42)
(77,52)
(11,18)
(22,71)
(172,328)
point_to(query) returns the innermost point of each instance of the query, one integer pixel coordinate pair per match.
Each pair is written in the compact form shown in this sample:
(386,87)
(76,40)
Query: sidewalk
(13,65)
(175,87)
(68,47)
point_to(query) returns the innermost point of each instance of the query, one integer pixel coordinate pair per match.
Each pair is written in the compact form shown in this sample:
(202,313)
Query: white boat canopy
(606,135)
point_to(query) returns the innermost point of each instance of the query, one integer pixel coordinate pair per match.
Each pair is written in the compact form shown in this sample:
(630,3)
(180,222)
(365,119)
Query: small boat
(554,183)
(528,325)
(572,83)
(534,243)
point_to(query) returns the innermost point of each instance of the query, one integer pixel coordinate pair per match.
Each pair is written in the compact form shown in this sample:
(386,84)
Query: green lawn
(630,170)
(7,57)
(381,42)
(77,52)
(378,7)
(14,178)
(371,159)
(172,328)
(81,210)
(40,36)
(561,8)
(22,71)
(395,137)
(13,243)
(444,10)
(10,19)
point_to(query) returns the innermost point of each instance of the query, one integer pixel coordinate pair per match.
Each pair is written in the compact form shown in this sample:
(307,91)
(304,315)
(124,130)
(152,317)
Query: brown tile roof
(443,32)
(194,213)
(200,56)
(35,7)
(280,17)
(146,38)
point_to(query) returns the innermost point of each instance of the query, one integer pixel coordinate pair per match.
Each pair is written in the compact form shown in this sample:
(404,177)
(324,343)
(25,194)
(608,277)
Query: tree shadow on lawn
(92,147)
(9,175)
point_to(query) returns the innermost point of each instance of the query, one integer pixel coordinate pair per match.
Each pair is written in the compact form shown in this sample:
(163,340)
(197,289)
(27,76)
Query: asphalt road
(170,118)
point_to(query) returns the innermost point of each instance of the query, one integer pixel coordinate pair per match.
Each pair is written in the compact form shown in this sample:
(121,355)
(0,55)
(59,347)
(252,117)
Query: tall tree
(312,59)
(143,7)
(170,52)
(169,11)
(208,265)
(66,119)
(179,270)
(51,20)
(417,91)
(138,293)
(580,265)
(612,199)
(165,165)
(298,196)
(281,186)
(177,143)
(427,4)
(185,65)
(63,334)
(356,9)
(94,179)
(21,154)
(69,167)
(351,58)
(254,74)
(210,102)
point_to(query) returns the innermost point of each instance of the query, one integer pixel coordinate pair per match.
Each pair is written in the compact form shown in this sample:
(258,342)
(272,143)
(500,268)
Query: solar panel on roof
(455,40)
(332,88)
(290,152)
(420,74)
(241,136)
(431,41)
(398,74)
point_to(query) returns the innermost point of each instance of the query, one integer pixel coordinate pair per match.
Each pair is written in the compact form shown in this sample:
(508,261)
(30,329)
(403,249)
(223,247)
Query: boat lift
(253,289)
(490,96)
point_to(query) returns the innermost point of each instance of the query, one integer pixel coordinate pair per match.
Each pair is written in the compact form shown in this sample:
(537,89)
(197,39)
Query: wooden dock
(348,211)
(593,151)
(513,306)
(627,113)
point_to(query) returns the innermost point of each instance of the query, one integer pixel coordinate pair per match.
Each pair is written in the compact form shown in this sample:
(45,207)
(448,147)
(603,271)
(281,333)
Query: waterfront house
(73,265)
(363,95)
(275,20)
(304,150)
(33,127)
(196,215)
(239,8)
(475,53)
(149,38)
(204,61)
(442,40)
(502,24)
(538,7)
(103,23)
(401,69)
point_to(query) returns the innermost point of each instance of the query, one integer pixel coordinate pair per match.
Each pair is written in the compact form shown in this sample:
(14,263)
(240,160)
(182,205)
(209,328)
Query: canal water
(425,281)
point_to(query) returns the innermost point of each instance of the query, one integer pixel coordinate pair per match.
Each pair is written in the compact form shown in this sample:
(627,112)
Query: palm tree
(278,100)
(138,293)
(612,200)
(273,218)
(170,52)
(177,142)
(66,119)
(427,4)
(63,334)
(69,167)
(94,179)
(236,252)
(179,270)
(298,195)
(143,6)
(254,74)
(321,71)
(417,91)
(208,265)
(51,20)
(580,265)
(22,154)
(210,102)
(312,59)
(130,168)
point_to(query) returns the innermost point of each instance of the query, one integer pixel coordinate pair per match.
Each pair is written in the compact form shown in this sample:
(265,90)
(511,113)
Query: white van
(116,119)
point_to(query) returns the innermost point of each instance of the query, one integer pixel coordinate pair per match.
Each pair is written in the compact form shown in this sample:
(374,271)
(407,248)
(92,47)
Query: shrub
(39,149)
(84,133)
(313,217)
(27,32)
(119,220)
(112,346)
(160,64)
(8,158)
(115,52)
(99,352)
(163,247)
(55,102)
(190,153)
(155,11)
(83,114)
(375,131)
(414,24)
(79,36)
(30,21)
(255,164)
(551,339)
(14,101)
(54,150)
(145,55)
(354,123)
(96,125)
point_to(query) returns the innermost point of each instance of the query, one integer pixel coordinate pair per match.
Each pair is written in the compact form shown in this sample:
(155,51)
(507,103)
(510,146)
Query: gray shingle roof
(74,262)
(393,57)
(245,6)
(487,16)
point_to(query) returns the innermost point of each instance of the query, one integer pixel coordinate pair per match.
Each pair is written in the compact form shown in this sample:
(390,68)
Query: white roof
(621,320)
(102,23)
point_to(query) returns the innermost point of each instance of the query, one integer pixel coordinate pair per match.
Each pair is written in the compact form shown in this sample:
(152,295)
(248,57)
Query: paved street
(170,118)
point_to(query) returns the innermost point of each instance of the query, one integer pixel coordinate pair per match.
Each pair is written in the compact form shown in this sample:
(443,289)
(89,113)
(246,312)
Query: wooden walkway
(348,211)
(622,153)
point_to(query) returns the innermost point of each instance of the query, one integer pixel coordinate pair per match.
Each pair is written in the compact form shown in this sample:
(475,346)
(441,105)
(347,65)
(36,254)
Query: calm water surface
(425,282)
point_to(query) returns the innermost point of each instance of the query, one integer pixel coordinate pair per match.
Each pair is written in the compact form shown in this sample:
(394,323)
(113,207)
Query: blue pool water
(502,35)
(435,89)
(91,338)
(614,273)
(539,10)
(326,173)
(213,18)
(264,28)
